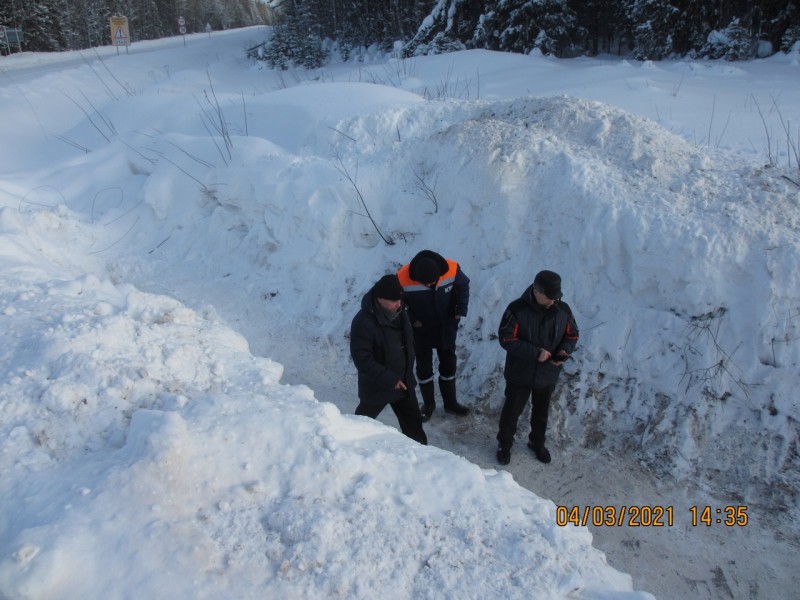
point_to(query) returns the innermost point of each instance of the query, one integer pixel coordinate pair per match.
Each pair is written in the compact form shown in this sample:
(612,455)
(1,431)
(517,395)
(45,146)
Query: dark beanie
(426,270)
(388,288)
(549,283)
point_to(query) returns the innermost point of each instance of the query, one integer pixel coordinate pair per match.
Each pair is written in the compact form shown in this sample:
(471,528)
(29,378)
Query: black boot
(426,391)
(448,389)
(503,455)
(542,453)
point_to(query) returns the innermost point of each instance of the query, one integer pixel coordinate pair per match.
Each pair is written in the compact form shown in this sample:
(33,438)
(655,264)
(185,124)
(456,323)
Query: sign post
(182,29)
(10,35)
(120,36)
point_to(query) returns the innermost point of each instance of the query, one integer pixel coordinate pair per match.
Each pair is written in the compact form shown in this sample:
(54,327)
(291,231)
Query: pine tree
(148,23)
(693,24)
(790,38)
(451,25)
(12,13)
(42,26)
(654,22)
(605,25)
(296,41)
(86,23)
(784,25)
(732,43)
(523,25)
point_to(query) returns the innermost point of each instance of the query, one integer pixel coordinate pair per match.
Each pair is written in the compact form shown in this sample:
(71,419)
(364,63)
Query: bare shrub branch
(790,145)
(773,161)
(430,192)
(215,118)
(707,326)
(338,163)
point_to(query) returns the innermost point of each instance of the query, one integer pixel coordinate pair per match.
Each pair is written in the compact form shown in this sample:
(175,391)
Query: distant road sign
(11,35)
(182,30)
(120,36)
(181,21)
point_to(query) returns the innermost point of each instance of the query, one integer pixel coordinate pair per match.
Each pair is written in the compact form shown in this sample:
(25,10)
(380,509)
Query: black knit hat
(549,283)
(426,271)
(388,288)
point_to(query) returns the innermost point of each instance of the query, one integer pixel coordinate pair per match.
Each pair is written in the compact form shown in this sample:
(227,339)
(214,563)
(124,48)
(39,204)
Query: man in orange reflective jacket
(437,297)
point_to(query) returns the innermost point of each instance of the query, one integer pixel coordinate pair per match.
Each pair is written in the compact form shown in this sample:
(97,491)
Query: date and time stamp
(652,516)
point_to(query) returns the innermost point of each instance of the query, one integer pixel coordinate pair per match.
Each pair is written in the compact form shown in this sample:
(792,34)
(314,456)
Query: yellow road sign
(120,36)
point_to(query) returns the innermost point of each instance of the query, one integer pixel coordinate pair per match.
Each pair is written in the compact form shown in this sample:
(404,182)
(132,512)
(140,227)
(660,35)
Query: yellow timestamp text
(615,516)
(729,516)
(649,516)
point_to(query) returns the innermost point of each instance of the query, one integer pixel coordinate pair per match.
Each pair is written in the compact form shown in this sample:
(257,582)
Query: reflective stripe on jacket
(525,330)
(436,308)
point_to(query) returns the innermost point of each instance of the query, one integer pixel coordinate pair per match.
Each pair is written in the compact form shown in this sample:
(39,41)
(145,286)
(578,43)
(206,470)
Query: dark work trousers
(516,399)
(447,362)
(408,416)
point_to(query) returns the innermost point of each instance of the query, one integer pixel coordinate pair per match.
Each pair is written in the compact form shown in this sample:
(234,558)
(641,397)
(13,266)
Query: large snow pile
(682,263)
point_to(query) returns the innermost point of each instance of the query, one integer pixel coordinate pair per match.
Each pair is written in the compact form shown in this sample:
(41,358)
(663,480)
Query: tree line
(54,25)
(308,32)
(642,29)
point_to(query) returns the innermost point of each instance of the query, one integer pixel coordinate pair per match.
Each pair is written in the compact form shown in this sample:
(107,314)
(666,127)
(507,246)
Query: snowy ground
(144,437)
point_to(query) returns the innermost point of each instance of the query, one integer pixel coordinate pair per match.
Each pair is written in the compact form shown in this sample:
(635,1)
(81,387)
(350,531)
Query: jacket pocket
(546,374)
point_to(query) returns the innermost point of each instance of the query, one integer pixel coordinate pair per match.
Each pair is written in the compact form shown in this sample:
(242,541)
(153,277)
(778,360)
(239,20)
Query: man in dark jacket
(437,296)
(383,352)
(538,333)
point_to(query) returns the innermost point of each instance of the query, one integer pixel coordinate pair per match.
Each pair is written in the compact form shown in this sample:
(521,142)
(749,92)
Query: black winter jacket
(436,308)
(525,329)
(382,351)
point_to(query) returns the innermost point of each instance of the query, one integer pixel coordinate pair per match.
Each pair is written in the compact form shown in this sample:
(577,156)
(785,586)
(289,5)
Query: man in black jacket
(538,333)
(437,296)
(382,348)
